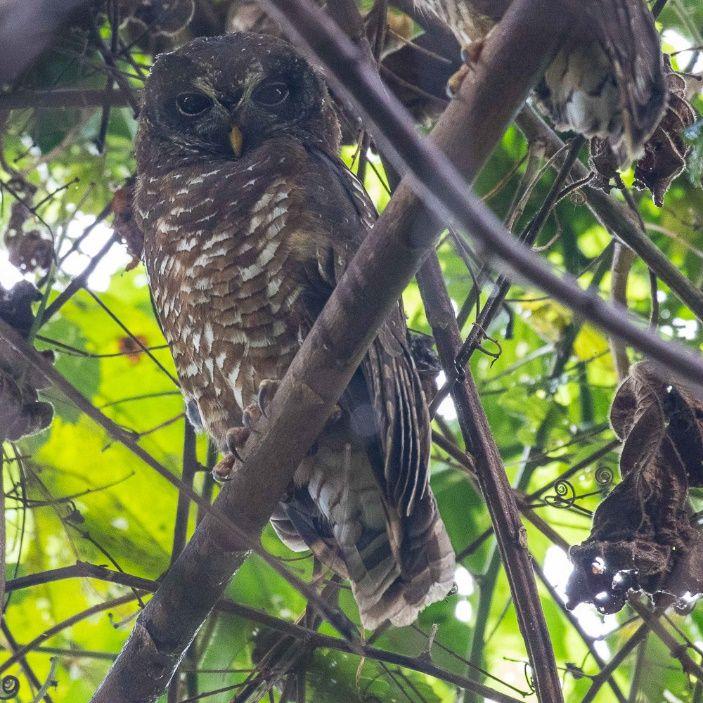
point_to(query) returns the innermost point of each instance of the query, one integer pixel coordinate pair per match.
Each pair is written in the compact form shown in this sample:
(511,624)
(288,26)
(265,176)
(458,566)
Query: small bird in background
(607,79)
(249,220)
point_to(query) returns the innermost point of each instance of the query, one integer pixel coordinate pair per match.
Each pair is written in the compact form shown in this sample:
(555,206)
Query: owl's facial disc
(226,96)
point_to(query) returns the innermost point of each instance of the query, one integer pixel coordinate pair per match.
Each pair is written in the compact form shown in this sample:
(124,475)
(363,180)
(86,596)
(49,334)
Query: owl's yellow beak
(236,139)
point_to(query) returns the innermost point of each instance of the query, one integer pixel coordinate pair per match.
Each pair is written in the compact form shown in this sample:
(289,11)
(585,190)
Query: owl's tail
(421,573)
(397,565)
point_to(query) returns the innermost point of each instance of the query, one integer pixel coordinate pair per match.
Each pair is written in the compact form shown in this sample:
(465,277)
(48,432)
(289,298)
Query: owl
(249,220)
(607,79)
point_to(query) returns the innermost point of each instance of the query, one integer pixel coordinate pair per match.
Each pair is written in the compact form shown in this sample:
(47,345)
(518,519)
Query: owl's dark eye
(270,93)
(192,104)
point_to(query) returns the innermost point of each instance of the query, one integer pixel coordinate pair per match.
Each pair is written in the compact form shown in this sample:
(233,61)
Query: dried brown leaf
(28,250)
(642,537)
(21,411)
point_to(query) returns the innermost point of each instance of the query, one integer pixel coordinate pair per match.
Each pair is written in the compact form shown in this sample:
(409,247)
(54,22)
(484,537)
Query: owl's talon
(223,470)
(236,438)
(267,390)
(335,416)
(251,415)
(470,54)
(455,81)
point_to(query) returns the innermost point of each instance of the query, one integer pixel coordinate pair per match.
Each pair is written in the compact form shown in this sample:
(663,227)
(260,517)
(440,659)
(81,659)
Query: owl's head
(221,97)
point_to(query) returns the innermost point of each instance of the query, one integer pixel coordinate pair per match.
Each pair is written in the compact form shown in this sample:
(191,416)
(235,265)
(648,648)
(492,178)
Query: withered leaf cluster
(665,152)
(642,537)
(21,411)
(27,249)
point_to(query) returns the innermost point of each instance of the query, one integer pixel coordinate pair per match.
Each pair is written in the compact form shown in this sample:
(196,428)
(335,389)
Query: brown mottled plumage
(242,251)
(606,81)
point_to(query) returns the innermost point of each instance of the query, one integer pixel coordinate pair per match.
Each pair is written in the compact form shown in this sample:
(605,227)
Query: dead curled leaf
(666,150)
(132,347)
(28,250)
(21,411)
(642,537)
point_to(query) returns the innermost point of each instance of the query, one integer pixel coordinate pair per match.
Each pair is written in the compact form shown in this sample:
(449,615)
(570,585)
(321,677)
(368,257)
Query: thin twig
(3,535)
(78,282)
(573,620)
(623,258)
(190,465)
(677,650)
(113,70)
(24,664)
(80,570)
(496,490)
(502,285)
(68,622)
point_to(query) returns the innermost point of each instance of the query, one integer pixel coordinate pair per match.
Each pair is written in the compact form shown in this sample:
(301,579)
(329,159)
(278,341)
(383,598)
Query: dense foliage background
(74,494)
